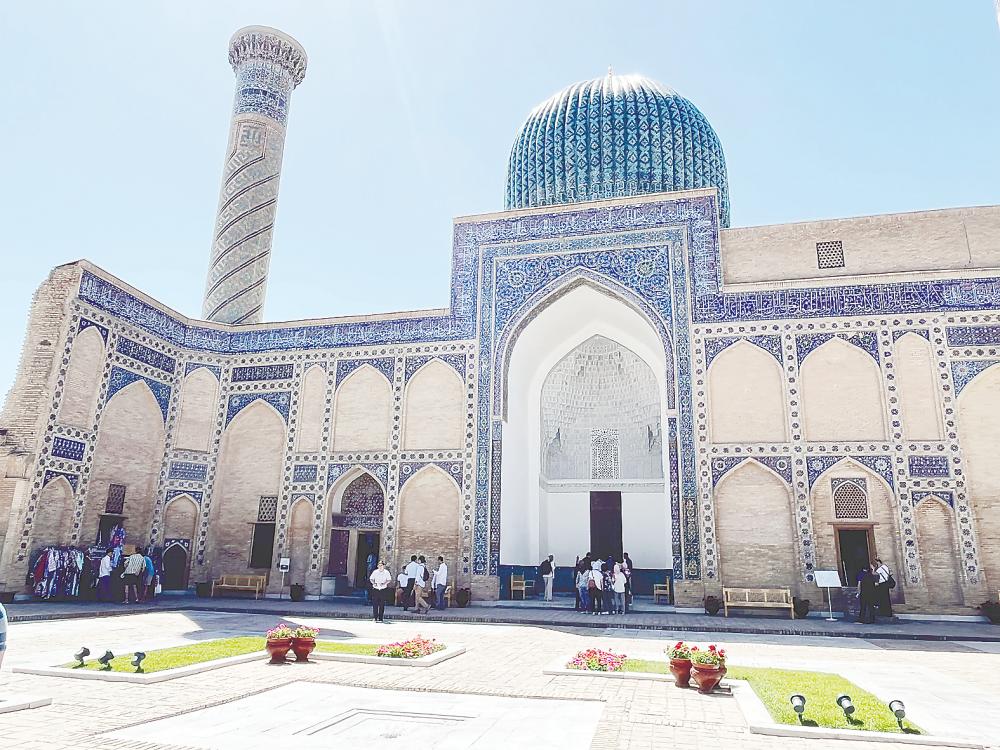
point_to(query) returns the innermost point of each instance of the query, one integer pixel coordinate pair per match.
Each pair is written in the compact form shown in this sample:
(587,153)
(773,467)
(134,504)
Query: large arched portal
(584,446)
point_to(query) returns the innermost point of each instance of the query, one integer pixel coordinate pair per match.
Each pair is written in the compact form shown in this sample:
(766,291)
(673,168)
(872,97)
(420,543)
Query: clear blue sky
(114,125)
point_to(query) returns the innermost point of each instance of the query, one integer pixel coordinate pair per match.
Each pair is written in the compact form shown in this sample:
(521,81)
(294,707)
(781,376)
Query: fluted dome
(610,137)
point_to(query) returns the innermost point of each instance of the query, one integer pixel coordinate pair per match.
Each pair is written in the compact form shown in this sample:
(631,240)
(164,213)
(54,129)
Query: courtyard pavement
(951,688)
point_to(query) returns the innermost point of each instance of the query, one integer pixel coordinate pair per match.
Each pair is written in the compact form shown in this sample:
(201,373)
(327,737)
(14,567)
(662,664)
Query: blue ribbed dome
(610,137)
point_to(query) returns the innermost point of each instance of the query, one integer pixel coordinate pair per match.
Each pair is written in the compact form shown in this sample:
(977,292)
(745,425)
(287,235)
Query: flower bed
(597,660)
(414,648)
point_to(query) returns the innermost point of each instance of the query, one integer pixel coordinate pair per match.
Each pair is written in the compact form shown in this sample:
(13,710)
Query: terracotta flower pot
(681,670)
(707,677)
(278,649)
(302,647)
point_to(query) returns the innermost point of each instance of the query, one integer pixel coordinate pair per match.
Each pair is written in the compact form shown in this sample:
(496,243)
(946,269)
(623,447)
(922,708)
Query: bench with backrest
(758,598)
(256,584)
(518,583)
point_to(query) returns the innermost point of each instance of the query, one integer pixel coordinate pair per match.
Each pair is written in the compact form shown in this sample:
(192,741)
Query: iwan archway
(586,436)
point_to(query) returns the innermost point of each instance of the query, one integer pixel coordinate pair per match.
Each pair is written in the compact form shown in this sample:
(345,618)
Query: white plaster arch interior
(564,321)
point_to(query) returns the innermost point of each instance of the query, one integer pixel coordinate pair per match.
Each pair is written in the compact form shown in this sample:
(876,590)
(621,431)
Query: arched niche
(919,392)
(83,379)
(429,517)
(940,554)
(52,522)
(752,552)
(434,408)
(842,396)
(746,396)
(299,536)
(362,409)
(196,421)
(180,518)
(312,405)
(355,506)
(129,452)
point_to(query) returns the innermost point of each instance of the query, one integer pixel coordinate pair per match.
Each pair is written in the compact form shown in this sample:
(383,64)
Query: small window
(262,545)
(267,511)
(605,454)
(830,254)
(116,499)
(850,499)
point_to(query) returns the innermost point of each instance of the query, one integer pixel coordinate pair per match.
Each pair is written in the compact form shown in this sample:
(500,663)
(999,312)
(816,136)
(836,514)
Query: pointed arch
(52,520)
(842,397)
(196,421)
(979,434)
(83,379)
(300,526)
(180,517)
(129,452)
(746,396)
(434,408)
(249,467)
(752,553)
(362,411)
(939,551)
(919,392)
(882,518)
(429,517)
(312,404)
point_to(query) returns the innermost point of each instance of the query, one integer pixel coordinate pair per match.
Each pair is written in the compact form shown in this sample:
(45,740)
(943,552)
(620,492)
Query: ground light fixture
(106,660)
(798,702)
(898,710)
(82,654)
(138,656)
(844,701)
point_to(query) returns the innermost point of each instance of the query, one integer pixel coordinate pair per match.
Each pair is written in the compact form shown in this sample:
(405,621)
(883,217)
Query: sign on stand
(828,579)
(284,563)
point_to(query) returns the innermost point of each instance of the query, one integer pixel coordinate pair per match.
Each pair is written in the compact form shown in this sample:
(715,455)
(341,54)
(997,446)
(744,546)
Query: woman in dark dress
(867,596)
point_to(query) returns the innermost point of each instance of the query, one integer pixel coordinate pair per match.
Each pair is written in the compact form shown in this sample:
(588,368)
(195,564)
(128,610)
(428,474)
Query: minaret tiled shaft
(268,65)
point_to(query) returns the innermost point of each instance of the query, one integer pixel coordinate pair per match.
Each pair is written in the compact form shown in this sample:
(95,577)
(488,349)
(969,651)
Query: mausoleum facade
(616,367)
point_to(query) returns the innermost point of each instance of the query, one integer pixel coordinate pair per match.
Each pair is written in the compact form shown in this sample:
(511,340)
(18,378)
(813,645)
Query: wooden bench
(756,598)
(256,584)
(662,590)
(517,583)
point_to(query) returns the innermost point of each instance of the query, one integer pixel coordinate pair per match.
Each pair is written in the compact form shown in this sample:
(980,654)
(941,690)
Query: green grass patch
(333,647)
(179,656)
(774,686)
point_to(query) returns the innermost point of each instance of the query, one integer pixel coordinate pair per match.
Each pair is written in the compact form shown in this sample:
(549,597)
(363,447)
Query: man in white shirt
(419,583)
(440,583)
(401,581)
(104,578)
(412,570)
(379,579)
(134,565)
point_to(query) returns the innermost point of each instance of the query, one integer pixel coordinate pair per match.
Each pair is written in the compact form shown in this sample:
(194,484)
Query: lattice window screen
(268,510)
(850,500)
(116,499)
(605,454)
(830,254)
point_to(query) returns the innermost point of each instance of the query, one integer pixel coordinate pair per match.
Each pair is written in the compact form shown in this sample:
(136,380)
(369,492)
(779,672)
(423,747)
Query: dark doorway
(606,525)
(367,543)
(855,552)
(106,525)
(175,568)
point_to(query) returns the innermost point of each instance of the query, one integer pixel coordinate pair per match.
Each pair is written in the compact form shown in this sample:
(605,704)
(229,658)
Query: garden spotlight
(844,701)
(798,702)
(106,660)
(137,661)
(898,710)
(82,654)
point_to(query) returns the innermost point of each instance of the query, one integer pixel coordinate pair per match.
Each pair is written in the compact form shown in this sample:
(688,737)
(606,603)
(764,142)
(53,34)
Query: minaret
(268,65)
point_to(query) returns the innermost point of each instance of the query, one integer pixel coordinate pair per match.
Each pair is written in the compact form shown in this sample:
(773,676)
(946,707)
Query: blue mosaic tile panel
(451,468)
(363,504)
(857,481)
(457,361)
(280,400)
(945,495)
(120,378)
(928,466)
(305,472)
(963,371)
(675,501)
(71,478)
(866,340)
(379,471)
(385,365)
(722,465)
(188,470)
(881,465)
(66,448)
(262,372)
(972,335)
(85,324)
(198,497)
(151,357)
(780,465)
(192,366)
(263,88)
(770,344)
